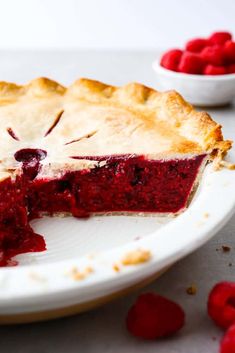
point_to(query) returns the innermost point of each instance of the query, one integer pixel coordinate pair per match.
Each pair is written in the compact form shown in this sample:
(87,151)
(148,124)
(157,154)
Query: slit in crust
(55,123)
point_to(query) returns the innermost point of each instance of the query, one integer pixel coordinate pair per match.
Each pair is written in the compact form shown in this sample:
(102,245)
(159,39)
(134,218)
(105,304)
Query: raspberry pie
(96,149)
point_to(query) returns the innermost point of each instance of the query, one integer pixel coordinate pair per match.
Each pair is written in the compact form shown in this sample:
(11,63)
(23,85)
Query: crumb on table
(226,248)
(191,290)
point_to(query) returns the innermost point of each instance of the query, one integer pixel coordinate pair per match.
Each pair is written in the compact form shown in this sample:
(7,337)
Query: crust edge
(199,127)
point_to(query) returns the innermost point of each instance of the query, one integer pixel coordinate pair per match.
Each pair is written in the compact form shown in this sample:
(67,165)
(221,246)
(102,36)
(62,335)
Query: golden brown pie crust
(101,120)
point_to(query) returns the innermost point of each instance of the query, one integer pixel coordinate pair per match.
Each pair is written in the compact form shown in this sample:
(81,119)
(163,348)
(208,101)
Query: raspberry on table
(231,69)
(191,63)
(228,341)
(220,37)
(213,55)
(214,70)
(153,316)
(196,45)
(221,304)
(229,51)
(170,60)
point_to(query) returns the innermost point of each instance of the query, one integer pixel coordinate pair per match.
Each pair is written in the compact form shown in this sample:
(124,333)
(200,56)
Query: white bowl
(202,90)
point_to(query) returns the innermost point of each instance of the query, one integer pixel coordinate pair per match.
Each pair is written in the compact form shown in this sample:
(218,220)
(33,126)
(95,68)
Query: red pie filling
(16,235)
(125,183)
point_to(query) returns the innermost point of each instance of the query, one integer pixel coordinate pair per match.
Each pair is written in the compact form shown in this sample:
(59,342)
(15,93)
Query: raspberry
(229,51)
(214,70)
(228,341)
(220,37)
(153,316)
(196,45)
(221,304)
(231,69)
(213,55)
(190,63)
(170,60)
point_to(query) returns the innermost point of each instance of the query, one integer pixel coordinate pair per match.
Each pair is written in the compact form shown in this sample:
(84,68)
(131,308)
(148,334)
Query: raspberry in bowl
(203,72)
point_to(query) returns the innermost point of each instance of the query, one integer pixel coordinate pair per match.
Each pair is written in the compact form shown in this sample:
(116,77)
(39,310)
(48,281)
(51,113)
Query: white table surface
(102,330)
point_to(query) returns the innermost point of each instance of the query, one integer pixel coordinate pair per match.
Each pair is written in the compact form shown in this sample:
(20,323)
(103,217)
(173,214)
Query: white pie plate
(43,285)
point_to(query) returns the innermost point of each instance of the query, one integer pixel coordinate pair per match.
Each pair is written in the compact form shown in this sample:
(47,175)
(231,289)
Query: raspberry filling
(30,158)
(123,183)
(16,235)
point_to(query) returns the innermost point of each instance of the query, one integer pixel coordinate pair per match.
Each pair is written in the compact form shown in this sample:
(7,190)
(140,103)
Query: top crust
(91,118)
(169,107)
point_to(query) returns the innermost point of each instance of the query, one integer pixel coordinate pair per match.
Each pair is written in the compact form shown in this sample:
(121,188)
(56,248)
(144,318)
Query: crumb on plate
(227,165)
(116,268)
(136,257)
(78,275)
(37,277)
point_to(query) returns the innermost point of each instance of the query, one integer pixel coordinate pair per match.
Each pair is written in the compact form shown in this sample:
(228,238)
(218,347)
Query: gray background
(113,24)
(102,330)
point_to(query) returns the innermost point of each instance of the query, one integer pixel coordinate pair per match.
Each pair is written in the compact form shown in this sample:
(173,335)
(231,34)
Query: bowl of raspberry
(203,72)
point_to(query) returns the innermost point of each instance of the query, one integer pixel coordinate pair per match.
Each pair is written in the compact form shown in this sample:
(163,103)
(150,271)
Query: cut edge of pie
(93,149)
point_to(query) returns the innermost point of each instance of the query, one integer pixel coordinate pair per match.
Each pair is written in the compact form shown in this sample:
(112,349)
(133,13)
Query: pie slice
(96,149)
